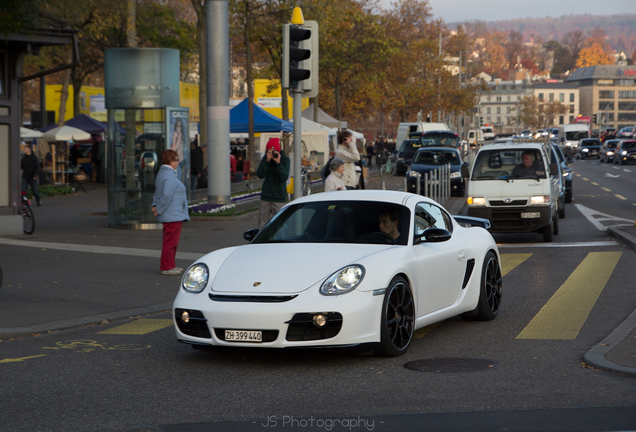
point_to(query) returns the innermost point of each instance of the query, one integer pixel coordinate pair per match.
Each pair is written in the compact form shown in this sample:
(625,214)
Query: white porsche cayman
(341,269)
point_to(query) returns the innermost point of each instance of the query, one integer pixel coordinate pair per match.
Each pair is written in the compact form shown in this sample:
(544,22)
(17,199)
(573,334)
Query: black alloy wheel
(490,291)
(398,319)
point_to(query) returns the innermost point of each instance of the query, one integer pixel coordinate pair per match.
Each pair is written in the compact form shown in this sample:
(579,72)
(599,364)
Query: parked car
(625,152)
(589,147)
(431,158)
(418,140)
(526,133)
(607,150)
(329,275)
(406,153)
(566,171)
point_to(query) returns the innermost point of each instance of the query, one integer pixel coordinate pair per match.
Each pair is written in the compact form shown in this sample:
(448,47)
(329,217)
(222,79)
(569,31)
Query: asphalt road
(132,374)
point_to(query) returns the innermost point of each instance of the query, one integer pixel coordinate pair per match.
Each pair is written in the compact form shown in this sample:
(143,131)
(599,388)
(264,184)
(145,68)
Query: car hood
(285,268)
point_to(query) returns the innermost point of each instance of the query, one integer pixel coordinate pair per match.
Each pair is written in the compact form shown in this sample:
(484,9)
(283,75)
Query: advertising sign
(177,139)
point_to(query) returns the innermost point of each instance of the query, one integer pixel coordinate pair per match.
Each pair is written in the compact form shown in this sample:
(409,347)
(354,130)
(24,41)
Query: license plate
(243,336)
(530,215)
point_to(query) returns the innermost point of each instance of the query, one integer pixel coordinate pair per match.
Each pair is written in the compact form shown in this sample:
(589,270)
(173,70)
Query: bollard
(405,185)
(383,184)
(418,186)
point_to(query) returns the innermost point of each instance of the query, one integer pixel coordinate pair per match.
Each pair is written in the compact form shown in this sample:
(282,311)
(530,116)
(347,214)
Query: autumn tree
(596,51)
(537,114)
(514,49)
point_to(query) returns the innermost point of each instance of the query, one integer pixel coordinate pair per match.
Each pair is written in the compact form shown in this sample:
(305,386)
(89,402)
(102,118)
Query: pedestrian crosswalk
(562,316)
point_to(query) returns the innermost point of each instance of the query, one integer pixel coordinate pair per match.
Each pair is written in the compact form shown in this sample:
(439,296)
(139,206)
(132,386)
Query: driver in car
(389,224)
(529,167)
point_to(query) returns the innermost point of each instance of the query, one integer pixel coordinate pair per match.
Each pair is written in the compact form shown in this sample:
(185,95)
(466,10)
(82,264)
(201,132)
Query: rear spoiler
(472,221)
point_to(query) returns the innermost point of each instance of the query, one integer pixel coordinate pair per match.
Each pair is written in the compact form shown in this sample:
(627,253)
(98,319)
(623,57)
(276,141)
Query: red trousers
(171,233)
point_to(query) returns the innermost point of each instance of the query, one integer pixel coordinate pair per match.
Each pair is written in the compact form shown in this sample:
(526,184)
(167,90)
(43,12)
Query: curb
(622,235)
(596,356)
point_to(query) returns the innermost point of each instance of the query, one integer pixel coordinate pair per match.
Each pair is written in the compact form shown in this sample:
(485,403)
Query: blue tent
(87,124)
(263,121)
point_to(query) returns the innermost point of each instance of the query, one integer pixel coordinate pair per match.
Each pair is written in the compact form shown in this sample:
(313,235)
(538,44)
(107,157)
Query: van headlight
(568,144)
(476,201)
(540,200)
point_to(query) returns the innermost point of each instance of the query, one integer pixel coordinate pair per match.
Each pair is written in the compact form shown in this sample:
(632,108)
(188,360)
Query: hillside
(620,29)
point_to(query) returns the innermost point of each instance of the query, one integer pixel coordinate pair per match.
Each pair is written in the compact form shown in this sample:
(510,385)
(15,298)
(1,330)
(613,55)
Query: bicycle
(28,221)
(305,179)
(388,169)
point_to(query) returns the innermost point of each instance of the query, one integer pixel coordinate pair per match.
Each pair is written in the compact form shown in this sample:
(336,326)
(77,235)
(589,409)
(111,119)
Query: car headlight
(568,144)
(610,153)
(476,201)
(540,200)
(195,278)
(400,159)
(455,175)
(414,174)
(624,153)
(343,281)
(585,150)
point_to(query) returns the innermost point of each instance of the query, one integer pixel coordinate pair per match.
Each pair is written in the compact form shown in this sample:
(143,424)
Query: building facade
(609,91)
(499,107)
(563,92)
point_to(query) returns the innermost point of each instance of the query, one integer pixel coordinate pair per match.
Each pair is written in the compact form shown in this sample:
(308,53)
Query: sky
(494,10)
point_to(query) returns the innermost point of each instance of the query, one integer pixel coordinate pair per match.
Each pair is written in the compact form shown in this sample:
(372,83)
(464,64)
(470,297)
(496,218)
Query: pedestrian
(170,205)
(96,159)
(196,164)
(274,168)
(370,152)
(30,166)
(349,154)
(334,182)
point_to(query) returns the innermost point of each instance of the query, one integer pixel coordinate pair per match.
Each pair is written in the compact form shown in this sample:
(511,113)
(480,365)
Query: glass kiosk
(144,118)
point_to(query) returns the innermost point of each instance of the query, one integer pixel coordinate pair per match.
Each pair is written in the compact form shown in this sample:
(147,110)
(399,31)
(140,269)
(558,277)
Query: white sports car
(342,269)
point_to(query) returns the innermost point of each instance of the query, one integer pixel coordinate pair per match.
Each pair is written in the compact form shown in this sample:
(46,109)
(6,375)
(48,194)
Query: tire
(489,291)
(562,212)
(28,222)
(386,171)
(569,195)
(555,227)
(547,232)
(398,319)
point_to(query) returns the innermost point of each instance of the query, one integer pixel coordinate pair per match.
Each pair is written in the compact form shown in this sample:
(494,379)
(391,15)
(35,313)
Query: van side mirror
(554,168)
(465,170)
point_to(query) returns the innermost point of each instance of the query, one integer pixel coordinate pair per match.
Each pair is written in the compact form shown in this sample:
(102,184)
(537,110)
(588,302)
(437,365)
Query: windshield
(611,144)
(508,164)
(409,147)
(436,157)
(446,139)
(576,135)
(590,143)
(337,222)
(628,145)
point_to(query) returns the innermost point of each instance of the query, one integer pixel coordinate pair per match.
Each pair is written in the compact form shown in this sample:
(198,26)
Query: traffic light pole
(297,146)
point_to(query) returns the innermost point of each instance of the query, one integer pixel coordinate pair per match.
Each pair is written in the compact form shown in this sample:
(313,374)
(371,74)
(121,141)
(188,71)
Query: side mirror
(249,235)
(433,235)
(465,170)
(554,168)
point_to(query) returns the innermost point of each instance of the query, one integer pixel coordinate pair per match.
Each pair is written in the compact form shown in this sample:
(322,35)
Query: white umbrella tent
(59,163)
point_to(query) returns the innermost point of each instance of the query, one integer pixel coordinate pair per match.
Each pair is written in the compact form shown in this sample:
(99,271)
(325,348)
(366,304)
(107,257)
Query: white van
(489,133)
(475,137)
(570,136)
(404,129)
(517,197)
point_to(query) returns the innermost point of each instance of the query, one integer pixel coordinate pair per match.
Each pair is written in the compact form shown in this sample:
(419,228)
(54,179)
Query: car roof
(387,196)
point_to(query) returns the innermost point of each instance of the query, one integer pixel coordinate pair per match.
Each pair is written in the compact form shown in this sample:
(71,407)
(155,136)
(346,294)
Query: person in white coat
(349,154)
(334,181)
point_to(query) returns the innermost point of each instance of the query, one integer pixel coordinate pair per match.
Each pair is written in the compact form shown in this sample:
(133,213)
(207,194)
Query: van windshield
(576,135)
(509,164)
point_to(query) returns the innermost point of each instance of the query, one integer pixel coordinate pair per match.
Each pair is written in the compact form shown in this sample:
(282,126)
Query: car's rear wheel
(547,232)
(398,319)
(569,194)
(562,211)
(489,291)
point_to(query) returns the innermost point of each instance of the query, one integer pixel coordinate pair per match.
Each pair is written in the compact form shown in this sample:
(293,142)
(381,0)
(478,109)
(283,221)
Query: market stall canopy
(66,133)
(357,135)
(263,121)
(87,124)
(29,133)
(323,118)
(311,126)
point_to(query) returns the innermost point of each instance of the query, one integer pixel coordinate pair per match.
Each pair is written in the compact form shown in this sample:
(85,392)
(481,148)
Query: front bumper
(509,220)
(352,319)
(629,158)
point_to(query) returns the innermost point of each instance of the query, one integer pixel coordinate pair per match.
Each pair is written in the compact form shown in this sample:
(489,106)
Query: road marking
(595,184)
(97,249)
(606,189)
(20,359)
(419,334)
(620,197)
(558,245)
(139,327)
(612,175)
(596,217)
(585,179)
(510,261)
(565,313)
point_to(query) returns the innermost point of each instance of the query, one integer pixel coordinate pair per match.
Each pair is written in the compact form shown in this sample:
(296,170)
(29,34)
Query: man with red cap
(274,168)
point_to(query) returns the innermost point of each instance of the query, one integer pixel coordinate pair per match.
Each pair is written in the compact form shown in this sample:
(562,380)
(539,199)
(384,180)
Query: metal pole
(405,185)
(218,98)
(298,128)
(418,186)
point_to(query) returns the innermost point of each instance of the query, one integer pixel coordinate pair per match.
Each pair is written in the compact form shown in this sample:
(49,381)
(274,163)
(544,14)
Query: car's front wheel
(398,319)
(489,291)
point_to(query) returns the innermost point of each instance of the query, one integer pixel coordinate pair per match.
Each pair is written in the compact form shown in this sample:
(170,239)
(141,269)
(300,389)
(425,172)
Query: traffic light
(594,118)
(294,54)
(481,121)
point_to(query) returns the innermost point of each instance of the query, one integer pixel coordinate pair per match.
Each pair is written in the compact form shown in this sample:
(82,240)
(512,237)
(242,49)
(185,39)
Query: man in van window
(528,166)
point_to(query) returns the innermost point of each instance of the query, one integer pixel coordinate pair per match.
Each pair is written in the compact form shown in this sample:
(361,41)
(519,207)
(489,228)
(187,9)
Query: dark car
(625,132)
(566,172)
(589,147)
(625,152)
(428,159)
(426,139)
(607,150)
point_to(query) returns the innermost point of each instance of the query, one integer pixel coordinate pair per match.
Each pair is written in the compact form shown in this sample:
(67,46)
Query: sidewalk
(75,271)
